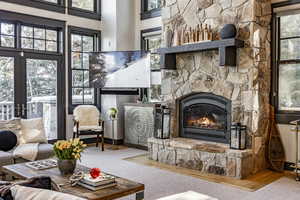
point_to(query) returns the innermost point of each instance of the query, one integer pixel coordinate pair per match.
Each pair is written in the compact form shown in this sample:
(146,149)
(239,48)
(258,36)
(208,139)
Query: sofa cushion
(32,131)
(8,140)
(88,128)
(13,125)
(6,158)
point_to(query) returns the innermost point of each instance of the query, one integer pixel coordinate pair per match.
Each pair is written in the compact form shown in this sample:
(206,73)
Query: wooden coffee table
(124,187)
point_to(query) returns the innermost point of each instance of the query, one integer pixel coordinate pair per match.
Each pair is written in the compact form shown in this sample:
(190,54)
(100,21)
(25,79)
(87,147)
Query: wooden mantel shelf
(227,51)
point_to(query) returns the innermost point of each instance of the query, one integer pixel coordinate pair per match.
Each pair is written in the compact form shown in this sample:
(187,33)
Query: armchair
(87,122)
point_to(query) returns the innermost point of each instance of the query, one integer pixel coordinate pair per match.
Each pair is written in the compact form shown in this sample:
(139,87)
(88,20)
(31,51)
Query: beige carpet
(252,183)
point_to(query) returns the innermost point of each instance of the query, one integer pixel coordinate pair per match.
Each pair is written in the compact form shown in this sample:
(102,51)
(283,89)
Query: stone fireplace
(205,116)
(200,126)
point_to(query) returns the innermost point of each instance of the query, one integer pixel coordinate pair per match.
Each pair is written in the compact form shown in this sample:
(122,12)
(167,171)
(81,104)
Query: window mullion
(0,34)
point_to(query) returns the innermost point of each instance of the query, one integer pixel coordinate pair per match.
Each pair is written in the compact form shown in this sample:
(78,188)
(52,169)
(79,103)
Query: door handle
(23,109)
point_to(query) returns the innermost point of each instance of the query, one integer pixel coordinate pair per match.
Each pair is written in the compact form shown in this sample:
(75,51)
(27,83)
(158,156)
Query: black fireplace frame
(221,136)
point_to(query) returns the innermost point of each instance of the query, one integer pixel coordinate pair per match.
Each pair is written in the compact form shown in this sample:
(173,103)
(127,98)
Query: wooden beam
(227,51)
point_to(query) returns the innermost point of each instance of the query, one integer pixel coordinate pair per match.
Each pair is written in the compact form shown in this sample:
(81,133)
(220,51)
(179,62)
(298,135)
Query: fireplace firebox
(205,116)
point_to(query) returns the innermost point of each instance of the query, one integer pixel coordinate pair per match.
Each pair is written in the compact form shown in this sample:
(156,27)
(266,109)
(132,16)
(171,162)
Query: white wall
(125,25)
(108,12)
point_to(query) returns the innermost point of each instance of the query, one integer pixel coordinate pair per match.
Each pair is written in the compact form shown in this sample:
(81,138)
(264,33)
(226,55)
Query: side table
(114,145)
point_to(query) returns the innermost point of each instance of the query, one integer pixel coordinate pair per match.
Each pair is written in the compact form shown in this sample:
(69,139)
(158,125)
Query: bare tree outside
(289,73)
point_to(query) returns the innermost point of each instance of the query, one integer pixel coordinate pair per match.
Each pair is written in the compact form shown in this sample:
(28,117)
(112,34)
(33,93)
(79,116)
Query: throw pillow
(13,125)
(8,140)
(32,131)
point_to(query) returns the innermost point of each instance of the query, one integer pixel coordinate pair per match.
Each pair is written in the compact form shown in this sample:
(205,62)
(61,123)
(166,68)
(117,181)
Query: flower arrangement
(69,149)
(112,112)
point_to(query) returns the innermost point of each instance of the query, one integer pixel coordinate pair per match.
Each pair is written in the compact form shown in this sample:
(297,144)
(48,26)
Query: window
(286,67)
(153,4)
(82,42)
(151,40)
(33,70)
(150,8)
(40,39)
(52,5)
(31,34)
(7,34)
(85,8)
(83,4)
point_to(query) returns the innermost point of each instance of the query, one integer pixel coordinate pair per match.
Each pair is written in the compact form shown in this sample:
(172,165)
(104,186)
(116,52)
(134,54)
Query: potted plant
(112,112)
(67,153)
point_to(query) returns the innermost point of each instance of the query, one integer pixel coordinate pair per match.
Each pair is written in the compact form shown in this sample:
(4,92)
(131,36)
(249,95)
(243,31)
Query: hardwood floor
(251,184)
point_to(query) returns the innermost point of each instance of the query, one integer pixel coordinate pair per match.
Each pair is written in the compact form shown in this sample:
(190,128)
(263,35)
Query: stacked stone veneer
(247,85)
(206,157)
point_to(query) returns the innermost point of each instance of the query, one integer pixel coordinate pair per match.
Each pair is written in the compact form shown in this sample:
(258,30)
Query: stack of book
(102,182)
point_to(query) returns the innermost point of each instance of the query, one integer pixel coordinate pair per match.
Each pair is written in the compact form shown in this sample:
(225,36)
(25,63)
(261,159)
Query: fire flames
(203,122)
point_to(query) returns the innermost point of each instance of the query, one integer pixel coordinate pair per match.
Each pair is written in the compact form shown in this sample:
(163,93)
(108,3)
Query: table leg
(139,195)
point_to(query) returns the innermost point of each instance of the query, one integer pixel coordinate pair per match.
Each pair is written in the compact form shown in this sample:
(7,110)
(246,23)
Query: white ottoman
(190,195)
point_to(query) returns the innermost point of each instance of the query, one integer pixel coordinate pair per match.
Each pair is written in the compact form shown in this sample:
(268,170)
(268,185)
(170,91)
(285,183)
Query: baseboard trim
(136,146)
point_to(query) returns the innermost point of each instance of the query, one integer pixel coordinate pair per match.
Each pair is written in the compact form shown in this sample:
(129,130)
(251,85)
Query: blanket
(27,151)
(26,193)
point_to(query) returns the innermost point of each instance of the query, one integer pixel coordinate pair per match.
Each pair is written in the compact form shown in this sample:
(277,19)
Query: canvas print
(119,69)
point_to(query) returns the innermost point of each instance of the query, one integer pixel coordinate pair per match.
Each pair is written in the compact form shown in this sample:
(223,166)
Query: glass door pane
(6,87)
(41,87)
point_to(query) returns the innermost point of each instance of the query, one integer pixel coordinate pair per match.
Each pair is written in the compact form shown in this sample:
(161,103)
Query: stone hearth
(206,157)
(247,85)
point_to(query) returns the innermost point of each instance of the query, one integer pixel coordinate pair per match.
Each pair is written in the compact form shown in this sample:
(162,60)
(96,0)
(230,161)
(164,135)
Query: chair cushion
(88,128)
(13,125)
(45,151)
(87,115)
(8,140)
(6,158)
(32,131)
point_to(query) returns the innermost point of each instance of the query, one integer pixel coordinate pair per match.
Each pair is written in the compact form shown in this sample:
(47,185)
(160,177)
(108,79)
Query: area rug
(252,183)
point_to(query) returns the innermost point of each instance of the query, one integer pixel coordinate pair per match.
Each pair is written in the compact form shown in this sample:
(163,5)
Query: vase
(66,167)
(228,31)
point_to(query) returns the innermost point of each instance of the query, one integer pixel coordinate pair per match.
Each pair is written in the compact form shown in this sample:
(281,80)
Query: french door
(33,86)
